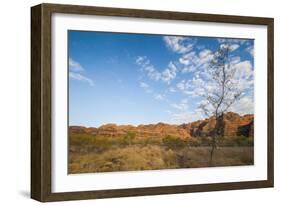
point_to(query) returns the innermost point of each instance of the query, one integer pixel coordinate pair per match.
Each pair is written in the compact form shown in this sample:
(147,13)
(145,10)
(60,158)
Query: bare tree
(222,91)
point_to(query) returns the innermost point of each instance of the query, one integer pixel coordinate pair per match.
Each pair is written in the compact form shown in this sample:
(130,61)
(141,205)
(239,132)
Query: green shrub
(194,142)
(236,141)
(243,141)
(89,142)
(79,139)
(127,139)
(173,142)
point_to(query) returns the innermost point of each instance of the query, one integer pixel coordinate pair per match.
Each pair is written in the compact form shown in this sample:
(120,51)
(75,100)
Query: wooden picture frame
(41,116)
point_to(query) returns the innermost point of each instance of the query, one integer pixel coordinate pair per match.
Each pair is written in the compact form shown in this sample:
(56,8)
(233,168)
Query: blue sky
(141,78)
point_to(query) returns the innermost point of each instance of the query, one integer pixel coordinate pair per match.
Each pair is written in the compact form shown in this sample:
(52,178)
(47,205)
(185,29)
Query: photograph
(153,101)
(133,102)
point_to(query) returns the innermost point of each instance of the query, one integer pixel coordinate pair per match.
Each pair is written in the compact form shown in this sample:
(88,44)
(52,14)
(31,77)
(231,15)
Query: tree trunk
(212,150)
(217,132)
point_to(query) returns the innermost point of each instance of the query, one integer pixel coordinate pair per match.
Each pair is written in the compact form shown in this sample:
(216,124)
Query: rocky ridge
(233,125)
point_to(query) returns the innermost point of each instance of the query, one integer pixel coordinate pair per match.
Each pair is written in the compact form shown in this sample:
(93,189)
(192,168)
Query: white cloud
(146,87)
(243,106)
(148,68)
(202,83)
(244,75)
(166,76)
(234,47)
(244,70)
(159,97)
(168,111)
(188,58)
(193,61)
(178,106)
(182,85)
(179,44)
(182,105)
(239,80)
(235,60)
(205,53)
(232,41)
(170,73)
(185,117)
(142,60)
(75,70)
(199,82)
(250,49)
(192,87)
(172,89)
(75,66)
(231,47)
(80,77)
(205,56)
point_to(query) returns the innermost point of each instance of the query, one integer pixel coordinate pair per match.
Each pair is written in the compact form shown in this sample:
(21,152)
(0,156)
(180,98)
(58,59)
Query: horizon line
(155,123)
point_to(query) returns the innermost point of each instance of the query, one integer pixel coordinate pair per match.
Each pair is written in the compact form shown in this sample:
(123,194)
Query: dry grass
(124,159)
(155,157)
(88,153)
(194,157)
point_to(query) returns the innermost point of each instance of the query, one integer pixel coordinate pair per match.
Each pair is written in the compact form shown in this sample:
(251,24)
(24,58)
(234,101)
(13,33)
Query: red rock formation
(233,125)
(80,129)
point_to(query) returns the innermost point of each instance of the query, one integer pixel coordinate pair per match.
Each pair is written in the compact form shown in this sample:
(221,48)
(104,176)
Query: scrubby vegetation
(93,153)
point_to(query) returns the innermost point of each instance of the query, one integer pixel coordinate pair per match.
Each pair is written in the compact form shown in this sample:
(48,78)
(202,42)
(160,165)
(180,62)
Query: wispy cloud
(80,77)
(195,79)
(167,75)
(159,97)
(146,87)
(185,117)
(172,89)
(234,47)
(75,66)
(179,44)
(75,70)
(148,68)
(202,83)
(232,41)
(197,64)
(250,49)
(244,106)
(182,106)
(192,61)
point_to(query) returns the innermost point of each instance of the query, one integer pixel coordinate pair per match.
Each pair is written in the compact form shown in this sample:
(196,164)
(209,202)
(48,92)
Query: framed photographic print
(130,102)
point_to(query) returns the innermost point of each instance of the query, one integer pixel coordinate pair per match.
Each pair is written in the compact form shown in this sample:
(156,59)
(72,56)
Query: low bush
(173,142)
(90,142)
(128,138)
(237,141)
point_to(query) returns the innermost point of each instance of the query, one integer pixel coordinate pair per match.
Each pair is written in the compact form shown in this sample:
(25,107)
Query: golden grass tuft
(89,153)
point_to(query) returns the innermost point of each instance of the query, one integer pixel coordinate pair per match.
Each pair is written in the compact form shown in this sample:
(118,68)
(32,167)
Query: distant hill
(233,125)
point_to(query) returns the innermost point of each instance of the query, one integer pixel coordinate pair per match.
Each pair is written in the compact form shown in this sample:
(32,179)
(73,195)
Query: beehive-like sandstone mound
(232,125)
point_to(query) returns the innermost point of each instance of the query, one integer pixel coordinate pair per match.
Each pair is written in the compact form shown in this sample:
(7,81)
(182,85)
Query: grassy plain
(90,153)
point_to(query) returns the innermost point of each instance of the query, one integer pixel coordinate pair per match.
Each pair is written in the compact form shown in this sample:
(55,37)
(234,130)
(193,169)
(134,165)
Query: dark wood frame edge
(41,101)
